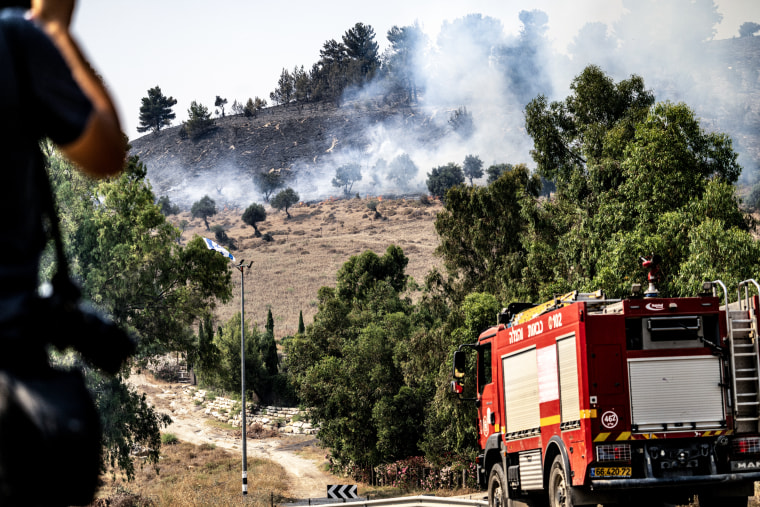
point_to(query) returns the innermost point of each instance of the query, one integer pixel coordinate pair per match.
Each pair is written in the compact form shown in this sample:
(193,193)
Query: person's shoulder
(15,20)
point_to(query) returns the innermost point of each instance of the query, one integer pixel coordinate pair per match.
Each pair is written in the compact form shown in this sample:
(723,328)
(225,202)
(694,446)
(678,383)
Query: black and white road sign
(345,491)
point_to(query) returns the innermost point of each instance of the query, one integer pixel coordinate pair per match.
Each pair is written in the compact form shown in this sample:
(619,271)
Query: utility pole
(211,245)
(242,268)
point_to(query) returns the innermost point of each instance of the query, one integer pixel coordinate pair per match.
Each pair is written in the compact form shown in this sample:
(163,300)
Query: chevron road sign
(345,491)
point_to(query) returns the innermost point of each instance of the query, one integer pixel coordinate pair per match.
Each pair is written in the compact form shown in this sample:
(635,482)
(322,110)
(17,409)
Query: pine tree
(156,111)
(301,327)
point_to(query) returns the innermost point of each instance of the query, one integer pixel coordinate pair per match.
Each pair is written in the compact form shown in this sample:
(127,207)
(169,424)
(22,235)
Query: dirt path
(189,424)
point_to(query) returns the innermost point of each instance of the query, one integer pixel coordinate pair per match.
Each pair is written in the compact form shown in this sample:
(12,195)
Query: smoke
(474,63)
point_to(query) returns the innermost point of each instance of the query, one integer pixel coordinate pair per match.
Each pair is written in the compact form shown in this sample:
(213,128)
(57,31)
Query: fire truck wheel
(559,486)
(497,488)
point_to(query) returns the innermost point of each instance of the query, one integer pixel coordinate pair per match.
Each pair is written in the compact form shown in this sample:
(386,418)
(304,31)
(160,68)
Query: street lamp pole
(241,268)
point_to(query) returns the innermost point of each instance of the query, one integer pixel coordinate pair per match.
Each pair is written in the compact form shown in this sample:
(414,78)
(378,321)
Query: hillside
(309,248)
(299,139)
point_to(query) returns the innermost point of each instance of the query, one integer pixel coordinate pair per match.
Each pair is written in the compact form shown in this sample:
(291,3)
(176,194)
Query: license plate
(611,472)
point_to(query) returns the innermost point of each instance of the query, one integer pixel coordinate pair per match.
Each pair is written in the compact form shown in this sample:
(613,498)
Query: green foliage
(402,171)
(444,177)
(169,439)
(473,167)
(496,170)
(221,237)
(401,61)
(362,49)
(207,358)
(199,121)
(284,91)
(131,267)
(203,208)
(462,123)
(349,366)
(753,200)
(480,233)
(253,106)
(161,287)
(220,103)
(268,182)
(749,29)
(127,422)
(228,342)
(156,111)
(301,327)
(285,199)
(253,214)
(346,175)
(166,206)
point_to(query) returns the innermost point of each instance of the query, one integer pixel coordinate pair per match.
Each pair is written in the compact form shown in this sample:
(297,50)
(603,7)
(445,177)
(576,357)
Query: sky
(198,49)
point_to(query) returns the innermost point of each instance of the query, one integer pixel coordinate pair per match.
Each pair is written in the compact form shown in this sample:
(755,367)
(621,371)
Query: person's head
(25,4)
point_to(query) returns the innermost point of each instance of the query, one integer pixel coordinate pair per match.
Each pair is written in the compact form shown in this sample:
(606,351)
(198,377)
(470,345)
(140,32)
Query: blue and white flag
(212,245)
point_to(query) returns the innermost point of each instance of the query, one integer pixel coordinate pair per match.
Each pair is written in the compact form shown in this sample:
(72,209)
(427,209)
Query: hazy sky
(198,49)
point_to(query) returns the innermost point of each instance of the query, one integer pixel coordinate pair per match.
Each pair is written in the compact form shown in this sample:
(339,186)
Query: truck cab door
(488,406)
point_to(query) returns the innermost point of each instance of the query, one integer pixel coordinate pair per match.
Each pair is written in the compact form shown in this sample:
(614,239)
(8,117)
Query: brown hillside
(309,248)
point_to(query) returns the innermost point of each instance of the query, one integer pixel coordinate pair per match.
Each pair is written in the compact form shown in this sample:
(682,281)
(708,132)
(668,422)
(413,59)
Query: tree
(301,327)
(473,167)
(444,177)
(268,347)
(285,199)
(361,47)
(402,170)
(480,230)
(227,341)
(748,29)
(301,85)
(114,226)
(462,123)
(203,208)
(497,170)
(253,106)
(269,181)
(156,111)
(199,121)
(166,206)
(252,215)
(207,356)
(284,91)
(348,365)
(401,59)
(346,175)
(220,103)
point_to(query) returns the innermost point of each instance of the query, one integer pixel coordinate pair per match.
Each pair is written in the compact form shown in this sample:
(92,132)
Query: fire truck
(650,400)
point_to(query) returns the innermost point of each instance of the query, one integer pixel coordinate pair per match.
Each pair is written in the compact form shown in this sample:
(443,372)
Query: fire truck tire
(497,487)
(559,486)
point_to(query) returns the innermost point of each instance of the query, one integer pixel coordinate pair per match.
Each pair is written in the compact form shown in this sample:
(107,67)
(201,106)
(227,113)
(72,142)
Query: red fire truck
(585,400)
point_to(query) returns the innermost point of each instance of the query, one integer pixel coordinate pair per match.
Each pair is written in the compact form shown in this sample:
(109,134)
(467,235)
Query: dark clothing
(38,99)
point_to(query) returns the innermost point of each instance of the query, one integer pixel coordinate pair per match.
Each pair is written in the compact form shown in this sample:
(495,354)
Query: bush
(169,438)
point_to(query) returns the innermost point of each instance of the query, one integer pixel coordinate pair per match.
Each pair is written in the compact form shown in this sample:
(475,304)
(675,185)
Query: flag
(212,245)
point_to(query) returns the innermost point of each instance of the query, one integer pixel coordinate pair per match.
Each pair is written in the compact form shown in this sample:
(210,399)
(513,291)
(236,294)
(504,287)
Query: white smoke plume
(474,63)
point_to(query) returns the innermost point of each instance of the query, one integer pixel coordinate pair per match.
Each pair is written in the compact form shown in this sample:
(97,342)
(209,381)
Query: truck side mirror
(459,364)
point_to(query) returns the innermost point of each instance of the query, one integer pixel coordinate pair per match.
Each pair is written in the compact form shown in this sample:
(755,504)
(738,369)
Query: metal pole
(242,373)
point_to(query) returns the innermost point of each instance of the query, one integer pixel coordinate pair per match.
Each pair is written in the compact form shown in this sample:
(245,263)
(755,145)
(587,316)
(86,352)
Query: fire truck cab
(584,400)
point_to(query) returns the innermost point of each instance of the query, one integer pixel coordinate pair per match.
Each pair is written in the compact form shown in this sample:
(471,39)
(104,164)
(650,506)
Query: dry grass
(309,248)
(191,475)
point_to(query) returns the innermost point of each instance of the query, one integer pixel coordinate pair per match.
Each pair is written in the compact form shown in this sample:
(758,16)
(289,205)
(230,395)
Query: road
(189,424)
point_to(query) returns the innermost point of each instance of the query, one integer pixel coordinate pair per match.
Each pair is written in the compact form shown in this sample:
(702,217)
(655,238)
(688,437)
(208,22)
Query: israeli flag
(212,245)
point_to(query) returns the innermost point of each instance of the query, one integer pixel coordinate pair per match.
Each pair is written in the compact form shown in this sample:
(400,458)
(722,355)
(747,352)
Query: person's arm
(101,148)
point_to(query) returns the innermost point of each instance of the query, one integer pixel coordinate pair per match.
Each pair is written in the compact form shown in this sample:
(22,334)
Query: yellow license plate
(610,471)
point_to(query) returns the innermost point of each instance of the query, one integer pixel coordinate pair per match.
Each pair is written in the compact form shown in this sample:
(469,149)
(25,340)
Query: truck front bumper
(699,480)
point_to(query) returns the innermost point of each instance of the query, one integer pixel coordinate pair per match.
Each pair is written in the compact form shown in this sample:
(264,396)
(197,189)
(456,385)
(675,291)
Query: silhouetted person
(48,90)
